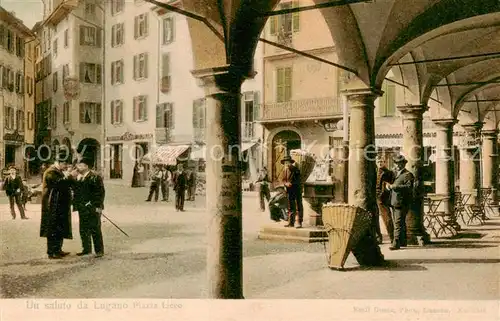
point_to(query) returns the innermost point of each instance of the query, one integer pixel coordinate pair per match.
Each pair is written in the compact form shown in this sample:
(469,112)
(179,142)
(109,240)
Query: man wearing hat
(293,186)
(401,199)
(56,206)
(180,184)
(89,202)
(13,186)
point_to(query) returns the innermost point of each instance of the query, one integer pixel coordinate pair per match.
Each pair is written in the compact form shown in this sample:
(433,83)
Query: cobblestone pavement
(164,257)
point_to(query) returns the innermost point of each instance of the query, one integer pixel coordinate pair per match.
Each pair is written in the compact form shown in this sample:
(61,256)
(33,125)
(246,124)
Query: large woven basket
(305,162)
(345,225)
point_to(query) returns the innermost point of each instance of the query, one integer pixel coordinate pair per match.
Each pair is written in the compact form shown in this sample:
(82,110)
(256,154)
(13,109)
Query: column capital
(412,111)
(220,80)
(359,97)
(473,128)
(446,123)
(489,133)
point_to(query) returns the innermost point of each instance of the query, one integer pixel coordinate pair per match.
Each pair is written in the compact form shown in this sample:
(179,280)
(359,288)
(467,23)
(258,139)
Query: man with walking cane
(89,202)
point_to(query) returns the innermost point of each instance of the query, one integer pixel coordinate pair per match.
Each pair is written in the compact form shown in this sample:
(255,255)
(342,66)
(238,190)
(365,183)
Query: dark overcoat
(56,204)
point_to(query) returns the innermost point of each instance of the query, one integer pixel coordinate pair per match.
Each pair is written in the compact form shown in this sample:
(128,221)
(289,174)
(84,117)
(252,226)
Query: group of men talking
(67,186)
(394,198)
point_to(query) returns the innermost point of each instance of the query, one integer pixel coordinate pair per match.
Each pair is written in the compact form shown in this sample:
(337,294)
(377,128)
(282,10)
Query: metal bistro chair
(460,205)
(490,208)
(475,212)
(434,220)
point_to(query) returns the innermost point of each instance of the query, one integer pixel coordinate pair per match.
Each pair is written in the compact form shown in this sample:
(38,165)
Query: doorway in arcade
(282,143)
(10,155)
(141,149)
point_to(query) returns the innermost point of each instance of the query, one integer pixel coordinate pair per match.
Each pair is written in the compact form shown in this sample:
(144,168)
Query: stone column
(413,150)
(490,162)
(470,161)
(362,151)
(223,184)
(445,169)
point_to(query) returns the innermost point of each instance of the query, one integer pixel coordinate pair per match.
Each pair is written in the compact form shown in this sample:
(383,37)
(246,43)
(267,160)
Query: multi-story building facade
(153,102)
(73,36)
(13,36)
(29,103)
(301,95)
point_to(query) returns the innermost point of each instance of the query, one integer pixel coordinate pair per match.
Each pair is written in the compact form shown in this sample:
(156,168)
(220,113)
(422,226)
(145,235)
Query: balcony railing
(313,108)
(163,135)
(247,131)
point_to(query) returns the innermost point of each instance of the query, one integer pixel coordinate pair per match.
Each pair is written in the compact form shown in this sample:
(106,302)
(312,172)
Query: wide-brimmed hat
(287,158)
(399,158)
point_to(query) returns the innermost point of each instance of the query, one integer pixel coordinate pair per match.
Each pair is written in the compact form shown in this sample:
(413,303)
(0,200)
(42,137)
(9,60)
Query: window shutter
(391,99)
(120,111)
(112,113)
(82,35)
(146,24)
(280,85)
(82,72)
(195,114)
(82,113)
(120,74)
(288,84)
(98,73)
(272,25)
(159,116)
(145,107)
(171,119)
(98,37)
(256,105)
(146,66)
(172,28)
(2,36)
(113,70)
(98,113)
(135,66)
(135,109)
(136,27)
(296,17)
(113,36)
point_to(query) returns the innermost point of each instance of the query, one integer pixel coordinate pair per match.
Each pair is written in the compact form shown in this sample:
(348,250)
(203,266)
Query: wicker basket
(345,225)
(305,162)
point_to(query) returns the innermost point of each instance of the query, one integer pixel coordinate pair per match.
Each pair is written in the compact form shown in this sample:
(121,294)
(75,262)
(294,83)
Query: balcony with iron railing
(303,109)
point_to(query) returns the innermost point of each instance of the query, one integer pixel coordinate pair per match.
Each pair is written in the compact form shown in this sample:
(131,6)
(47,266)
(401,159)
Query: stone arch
(473,91)
(273,157)
(90,148)
(435,21)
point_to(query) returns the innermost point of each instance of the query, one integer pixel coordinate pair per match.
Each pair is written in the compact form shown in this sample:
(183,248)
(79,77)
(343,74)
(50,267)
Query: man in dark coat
(294,192)
(191,184)
(13,186)
(164,183)
(89,202)
(384,177)
(401,199)
(180,184)
(56,206)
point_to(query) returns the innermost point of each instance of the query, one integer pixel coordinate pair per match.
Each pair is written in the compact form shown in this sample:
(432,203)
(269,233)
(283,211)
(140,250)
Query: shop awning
(166,154)
(247,146)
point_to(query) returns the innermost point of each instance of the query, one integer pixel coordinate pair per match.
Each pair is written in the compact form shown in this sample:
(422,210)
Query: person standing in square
(180,184)
(384,178)
(13,186)
(89,202)
(294,192)
(56,206)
